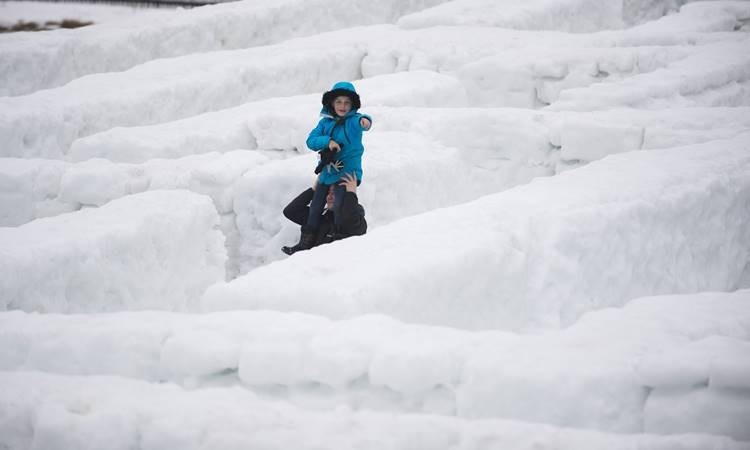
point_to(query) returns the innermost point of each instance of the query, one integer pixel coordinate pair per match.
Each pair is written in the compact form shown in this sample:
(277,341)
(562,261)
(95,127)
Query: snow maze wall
(558,251)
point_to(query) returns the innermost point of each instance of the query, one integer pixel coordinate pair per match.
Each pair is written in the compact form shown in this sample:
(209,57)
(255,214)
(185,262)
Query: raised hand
(349,181)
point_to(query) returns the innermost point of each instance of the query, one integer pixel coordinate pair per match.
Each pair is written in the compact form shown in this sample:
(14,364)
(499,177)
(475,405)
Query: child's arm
(318,140)
(365,122)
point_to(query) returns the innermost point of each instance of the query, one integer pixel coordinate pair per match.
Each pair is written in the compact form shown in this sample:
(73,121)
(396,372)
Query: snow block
(197,353)
(715,361)
(591,141)
(488,138)
(34,188)
(45,123)
(568,15)
(712,411)
(61,56)
(157,249)
(616,229)
(29,189)
(595,134)
(533,77)
(579,16)
(395,163)
(278,123)
(716,74)
(41,410)
(582,376)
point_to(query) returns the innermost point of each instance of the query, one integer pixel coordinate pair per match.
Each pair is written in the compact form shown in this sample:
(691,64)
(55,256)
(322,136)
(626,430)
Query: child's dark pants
(318,203)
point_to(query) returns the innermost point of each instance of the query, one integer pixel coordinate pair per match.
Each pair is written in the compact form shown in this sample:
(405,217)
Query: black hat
(341,88)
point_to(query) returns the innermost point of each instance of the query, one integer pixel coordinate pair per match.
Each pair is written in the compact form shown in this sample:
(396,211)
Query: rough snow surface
(566,15)
(45,187)
(557,197)
(148,93)
(61,411)
(278,123)
(46,122)
(153,250)
(716,75)
(643,361)
(601,220)
(61,56)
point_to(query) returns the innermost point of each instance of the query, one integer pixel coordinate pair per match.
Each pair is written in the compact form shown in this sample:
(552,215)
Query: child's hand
(333,145)
(365,123)
(350,182)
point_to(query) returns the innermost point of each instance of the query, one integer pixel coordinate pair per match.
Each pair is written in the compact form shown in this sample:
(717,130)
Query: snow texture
(46,122)
(61,56)
(566,15)
(636,360)
(92,412)
(627,227)
(558,206)
(152,250)
(264,124)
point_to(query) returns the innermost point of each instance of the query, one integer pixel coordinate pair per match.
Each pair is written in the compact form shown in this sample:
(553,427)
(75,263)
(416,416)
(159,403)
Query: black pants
(318,203)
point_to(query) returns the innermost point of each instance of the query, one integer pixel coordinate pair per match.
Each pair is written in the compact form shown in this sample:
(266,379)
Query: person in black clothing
(351,221)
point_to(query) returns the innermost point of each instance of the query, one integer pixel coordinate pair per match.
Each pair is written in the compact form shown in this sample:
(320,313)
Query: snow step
(714,74)
(156,249)
(147,93)
(398,163)
(32,125)
(40,410)
(618,370)
(495,136)
(616,229)
(58,58)
(277,123)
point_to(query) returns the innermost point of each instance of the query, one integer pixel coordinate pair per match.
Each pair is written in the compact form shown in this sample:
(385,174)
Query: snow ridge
(558,206)
(157,248)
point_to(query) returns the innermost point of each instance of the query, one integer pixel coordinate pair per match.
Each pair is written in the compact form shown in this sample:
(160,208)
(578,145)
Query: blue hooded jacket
(346,131)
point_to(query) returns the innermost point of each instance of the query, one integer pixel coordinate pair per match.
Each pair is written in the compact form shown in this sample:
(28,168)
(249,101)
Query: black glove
(326,157)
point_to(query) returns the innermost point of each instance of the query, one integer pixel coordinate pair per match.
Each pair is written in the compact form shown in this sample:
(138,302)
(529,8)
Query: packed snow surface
(641,361)
(156,249)
(557,255)
(60,57)
(627,228)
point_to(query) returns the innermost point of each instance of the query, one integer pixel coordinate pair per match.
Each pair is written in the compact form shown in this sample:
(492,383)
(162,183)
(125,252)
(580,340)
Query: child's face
(342,105)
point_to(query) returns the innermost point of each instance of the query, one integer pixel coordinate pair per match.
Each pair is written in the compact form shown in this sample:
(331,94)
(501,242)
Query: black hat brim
(329,96)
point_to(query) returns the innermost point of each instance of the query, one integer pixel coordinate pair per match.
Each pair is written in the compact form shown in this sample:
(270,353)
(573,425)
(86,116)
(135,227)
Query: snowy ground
(558,251)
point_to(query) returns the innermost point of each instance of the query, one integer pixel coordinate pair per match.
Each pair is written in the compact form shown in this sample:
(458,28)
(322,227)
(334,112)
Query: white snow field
(558,246)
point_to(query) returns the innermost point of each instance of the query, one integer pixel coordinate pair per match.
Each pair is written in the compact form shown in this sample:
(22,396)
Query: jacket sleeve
(353,220)
(368,118)
(297,210)
(318,140)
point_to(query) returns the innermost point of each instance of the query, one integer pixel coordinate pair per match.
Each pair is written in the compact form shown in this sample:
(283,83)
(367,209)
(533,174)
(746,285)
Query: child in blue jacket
(338,140)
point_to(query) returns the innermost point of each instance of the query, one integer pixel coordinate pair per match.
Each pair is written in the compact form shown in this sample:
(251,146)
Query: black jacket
(353,215)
